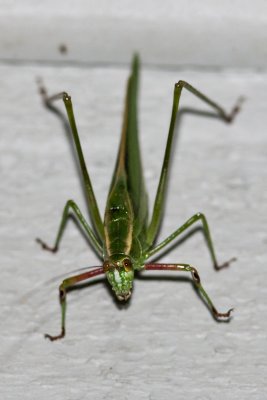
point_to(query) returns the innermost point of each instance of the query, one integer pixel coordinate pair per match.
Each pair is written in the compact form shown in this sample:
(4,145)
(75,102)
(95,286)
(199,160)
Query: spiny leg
(91,200)
(159,200)
(63,293)
(196,279)
(93,240)
(186,225)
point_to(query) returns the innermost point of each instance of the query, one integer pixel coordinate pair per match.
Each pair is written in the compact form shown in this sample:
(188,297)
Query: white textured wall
(174,33)
(164,344)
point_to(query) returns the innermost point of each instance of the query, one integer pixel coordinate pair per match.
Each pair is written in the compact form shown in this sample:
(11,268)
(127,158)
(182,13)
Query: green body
(125,239)
(126,214)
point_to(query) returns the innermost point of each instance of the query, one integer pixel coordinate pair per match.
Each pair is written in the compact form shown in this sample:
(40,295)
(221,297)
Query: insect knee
(195,275)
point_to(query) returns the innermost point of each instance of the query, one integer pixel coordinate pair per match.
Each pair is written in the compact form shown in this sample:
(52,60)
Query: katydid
(124,239)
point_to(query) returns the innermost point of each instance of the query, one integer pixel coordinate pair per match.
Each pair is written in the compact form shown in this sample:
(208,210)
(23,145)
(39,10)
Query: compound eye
(127,265)
(106,266)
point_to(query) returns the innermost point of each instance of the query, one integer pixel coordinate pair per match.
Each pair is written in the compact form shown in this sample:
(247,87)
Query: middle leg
(186,225)
(90,234)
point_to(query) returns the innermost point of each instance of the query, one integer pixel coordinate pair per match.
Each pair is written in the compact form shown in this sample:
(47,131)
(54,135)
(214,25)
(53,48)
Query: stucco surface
(164,344)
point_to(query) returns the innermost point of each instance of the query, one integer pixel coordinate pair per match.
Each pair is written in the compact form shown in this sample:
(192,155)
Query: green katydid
(124,239)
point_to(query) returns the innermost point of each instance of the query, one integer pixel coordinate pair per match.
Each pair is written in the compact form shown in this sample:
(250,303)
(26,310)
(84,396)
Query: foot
(235,109)
(46,247)
(225,316)
(57,337)
(225,264)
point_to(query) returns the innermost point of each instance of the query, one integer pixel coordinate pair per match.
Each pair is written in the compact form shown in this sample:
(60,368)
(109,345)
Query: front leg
(90,234)
(63,293)
(196,279)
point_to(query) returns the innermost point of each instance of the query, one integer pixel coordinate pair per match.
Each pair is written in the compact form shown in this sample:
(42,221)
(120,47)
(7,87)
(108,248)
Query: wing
(128,173)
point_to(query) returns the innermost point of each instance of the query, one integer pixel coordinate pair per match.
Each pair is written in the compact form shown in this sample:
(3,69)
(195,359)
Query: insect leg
(186,225)
(196,279)
(90,234)
(63,293)
(91,200)
(159,200)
